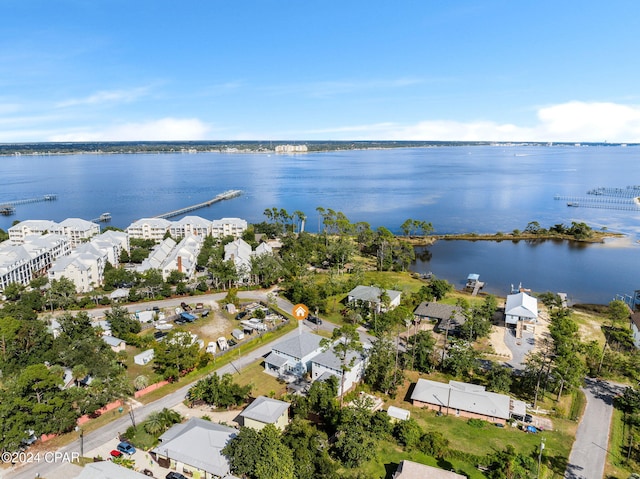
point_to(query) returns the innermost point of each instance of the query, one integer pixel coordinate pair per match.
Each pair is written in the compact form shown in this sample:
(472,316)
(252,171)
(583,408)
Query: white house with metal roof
(264,410)
(462,399)
(293,355)
(328,363)
(195,448)
(370,296)
(521,308)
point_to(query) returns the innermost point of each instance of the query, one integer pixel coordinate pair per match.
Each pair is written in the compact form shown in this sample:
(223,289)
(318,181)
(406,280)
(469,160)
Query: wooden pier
(8,207)
(227,195)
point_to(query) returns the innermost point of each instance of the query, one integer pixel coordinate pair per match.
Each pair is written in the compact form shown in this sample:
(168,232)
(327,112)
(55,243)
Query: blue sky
(497,70)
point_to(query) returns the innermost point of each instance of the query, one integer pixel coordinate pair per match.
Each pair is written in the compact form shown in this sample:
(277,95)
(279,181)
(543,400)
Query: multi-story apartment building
(149,228)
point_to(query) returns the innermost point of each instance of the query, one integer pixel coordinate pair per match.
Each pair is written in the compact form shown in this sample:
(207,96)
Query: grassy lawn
(616,465)
(263,383)
(389,454)
(489,439)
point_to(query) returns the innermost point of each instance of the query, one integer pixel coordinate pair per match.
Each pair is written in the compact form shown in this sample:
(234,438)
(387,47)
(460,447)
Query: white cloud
(567,122)
(106,96)
(165,129)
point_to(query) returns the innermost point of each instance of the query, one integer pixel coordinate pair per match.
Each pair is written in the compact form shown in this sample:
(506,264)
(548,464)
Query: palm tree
(170,417)
(154,423)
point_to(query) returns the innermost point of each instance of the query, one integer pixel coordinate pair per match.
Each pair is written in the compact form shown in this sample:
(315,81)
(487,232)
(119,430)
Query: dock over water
(227,195)
(8,207)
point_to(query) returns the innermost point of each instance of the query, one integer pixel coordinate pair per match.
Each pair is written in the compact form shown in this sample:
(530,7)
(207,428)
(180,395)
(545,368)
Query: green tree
(62,293)
(379,373)
(499,378)
(460,359)
(345,343)
(121,322)
(421,354)
(408,433)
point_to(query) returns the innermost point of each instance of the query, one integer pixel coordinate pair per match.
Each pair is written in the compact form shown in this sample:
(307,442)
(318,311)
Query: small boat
(573,203)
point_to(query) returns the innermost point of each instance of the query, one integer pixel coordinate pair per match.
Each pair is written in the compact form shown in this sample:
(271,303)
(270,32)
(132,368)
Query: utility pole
(540,456)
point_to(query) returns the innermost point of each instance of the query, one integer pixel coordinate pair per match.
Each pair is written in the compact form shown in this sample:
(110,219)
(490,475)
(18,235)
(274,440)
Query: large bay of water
(458,189)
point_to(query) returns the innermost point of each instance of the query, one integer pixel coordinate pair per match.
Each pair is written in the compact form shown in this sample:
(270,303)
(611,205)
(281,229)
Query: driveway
(519,347)
(589,452)
(104,438)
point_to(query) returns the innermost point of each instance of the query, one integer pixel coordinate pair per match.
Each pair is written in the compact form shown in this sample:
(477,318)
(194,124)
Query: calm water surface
(458,189)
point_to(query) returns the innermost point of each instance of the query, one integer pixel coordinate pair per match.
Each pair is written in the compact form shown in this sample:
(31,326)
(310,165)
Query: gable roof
(413,470)
(112,341)
(197,443)
(463,396)
(521,305)
(265,409)
(440,311)
(330,360)
(371,294)
(298,346)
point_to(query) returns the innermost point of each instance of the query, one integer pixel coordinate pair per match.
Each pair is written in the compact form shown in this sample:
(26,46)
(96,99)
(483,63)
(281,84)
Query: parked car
(147,472)
(528,418)
(115,453)
(174,475)
(314,319)
(126,447)
(211,347)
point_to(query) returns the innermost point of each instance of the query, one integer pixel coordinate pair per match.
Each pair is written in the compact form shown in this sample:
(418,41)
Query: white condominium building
(18,232)
(77,230)
(190,225)
(21,263)
(149,228)
(228,227)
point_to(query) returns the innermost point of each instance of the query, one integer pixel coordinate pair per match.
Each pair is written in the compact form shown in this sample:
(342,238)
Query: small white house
(521,310)
(144,357)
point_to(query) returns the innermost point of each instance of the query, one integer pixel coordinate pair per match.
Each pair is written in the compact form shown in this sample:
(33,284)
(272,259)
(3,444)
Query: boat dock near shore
(227,195)
(8,207)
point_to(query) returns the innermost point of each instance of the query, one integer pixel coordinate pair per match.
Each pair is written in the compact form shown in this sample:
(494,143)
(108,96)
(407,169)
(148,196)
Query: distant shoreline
(251,147)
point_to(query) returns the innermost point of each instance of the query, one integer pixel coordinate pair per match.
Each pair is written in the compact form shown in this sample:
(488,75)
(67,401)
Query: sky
(428,70)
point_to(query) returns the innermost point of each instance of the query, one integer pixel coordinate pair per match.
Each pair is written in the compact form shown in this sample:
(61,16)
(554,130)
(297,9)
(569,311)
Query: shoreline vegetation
(597,237)
(267,146)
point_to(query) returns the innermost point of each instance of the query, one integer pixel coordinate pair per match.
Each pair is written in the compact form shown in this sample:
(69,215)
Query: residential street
(588,455)
(62,470)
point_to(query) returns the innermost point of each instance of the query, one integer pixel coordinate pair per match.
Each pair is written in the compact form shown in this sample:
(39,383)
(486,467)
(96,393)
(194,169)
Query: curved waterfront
(482,189)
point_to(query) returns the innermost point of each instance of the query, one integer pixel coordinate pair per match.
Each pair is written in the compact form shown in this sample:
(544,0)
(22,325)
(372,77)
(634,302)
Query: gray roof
(112,341)
(371,294)
(197,443)
(329,359)
(298,346)
(108,470)
(440,311)
(413,470)
(276,360)
(463,396)
(264,409)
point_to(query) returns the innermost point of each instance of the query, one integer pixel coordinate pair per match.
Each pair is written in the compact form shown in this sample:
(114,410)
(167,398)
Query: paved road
(589,452)
(110,431)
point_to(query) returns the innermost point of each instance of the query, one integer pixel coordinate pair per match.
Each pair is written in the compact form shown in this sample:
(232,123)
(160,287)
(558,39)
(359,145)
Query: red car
(115,453)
